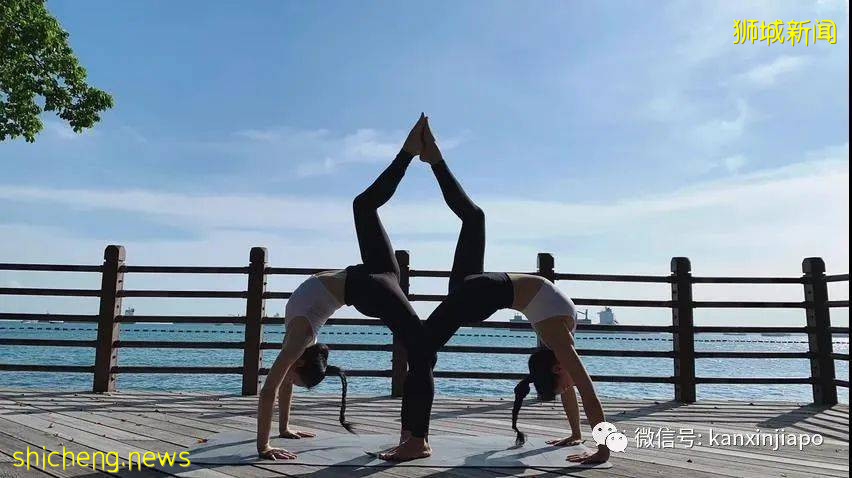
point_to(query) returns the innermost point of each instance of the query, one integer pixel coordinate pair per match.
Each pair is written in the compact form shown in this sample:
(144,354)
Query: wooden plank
(169,421)
(39,438)
(101,443)
(10,445)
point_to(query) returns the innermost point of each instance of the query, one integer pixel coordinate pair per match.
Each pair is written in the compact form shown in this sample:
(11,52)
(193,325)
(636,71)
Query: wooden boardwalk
(138,421)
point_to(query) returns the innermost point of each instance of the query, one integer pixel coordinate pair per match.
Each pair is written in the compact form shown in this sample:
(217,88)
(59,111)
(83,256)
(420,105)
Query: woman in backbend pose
(372,287)
(474,296)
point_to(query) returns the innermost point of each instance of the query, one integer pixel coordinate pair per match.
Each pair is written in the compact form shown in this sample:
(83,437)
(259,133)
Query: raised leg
(376,249)
(470,248)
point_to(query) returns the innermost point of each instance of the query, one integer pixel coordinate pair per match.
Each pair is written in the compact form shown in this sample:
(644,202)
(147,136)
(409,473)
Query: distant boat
(774,334)
(607,318)
(57,321)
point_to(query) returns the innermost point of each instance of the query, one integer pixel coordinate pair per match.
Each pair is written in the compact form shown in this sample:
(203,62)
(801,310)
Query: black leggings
(373,286)
(473,295)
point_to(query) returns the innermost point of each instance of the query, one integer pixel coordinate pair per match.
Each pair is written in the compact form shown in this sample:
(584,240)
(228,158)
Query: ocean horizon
(350,360)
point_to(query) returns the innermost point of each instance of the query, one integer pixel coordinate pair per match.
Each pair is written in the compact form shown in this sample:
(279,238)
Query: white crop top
(313,301)
(549,302)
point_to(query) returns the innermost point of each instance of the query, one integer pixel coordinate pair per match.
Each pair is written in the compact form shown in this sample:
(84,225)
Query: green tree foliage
(39,72)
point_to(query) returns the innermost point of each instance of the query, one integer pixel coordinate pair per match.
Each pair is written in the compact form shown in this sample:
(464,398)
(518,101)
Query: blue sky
(615,135)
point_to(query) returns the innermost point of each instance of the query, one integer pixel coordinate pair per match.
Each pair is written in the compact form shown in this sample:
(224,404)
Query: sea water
(381,360)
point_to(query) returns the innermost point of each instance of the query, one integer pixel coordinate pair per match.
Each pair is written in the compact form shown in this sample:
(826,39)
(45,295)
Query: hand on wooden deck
(567,441)
(277,454)
(296,434)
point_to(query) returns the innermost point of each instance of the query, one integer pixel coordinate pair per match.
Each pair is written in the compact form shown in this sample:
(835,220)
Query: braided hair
(315,368)
(541,375)
(522,389)
(331,369)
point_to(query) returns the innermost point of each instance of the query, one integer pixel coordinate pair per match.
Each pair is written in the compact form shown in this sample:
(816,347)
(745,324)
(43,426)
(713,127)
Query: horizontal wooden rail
(49,267)
(748,280)
(146,369)
(614,278)
(501,325)
(14,367)
(492,350)
(181,319)
(302,271)
(755,355)
(49,342)
(174,344)
(47,317)
(754,380)
(519,376)
(186,294)
(335,346)
(665,329)
(748,305)
(625,303)
(351,372)
(446,274)
(717,329)
(184,269)
(49,292)
(388,347)
(837,278)
(586,352)
(681,303)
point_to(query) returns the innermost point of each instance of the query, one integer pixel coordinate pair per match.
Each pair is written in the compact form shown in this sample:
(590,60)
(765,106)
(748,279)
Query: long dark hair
(314,370)
(541,375)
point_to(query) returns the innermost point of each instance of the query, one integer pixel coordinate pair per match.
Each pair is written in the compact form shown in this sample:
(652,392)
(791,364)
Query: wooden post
(819,332)
(399,357)
(106,355)
(255,311)
(684,337)
(545,265)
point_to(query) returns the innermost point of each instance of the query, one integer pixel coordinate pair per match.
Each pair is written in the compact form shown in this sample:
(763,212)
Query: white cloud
(62,131)
(779,195)
(761,222)
(320,152)
(768,73)
(734,163)
(363,146)
(718,132)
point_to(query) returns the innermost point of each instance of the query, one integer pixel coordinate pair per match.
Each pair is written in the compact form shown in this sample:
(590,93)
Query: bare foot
(412,449)
(431,153)
(567,441)
(600,456)
(414,142)
(404,435)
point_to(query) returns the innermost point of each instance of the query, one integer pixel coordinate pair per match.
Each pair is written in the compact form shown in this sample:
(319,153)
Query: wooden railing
(816,305)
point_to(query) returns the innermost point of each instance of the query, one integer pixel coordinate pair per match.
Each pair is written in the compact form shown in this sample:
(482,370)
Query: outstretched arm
(285,398)
(298,336)
(572,413)
(559,339)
